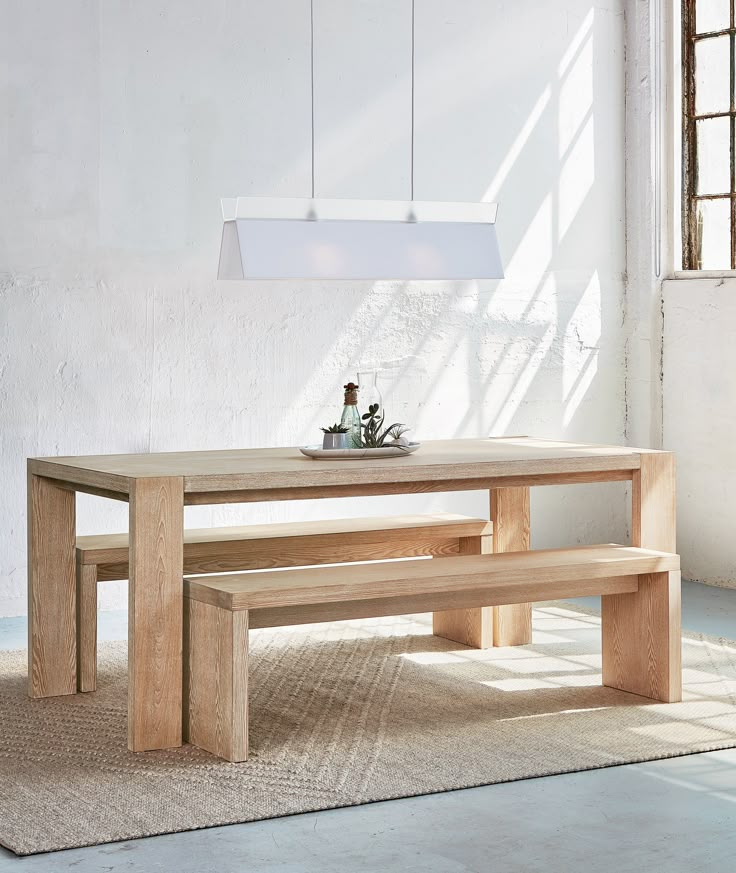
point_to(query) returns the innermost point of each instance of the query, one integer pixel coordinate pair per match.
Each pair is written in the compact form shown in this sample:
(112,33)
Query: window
(708,131)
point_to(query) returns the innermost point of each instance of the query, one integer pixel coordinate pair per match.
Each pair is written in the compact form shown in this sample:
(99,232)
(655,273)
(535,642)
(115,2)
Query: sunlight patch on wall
(581,348)
(534,252)
(493,190)
(577,176)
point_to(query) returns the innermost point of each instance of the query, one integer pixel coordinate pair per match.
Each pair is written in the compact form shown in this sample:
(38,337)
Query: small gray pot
(335,441)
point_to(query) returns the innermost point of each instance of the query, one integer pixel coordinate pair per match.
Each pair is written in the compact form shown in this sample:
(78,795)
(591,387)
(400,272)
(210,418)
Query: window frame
(690,196)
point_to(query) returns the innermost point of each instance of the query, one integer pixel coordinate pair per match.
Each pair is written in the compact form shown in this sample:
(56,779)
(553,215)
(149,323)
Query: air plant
(374,435)
(334,428)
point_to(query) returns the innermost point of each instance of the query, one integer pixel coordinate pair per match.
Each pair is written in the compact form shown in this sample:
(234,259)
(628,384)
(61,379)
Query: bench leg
(641,631)
(216,679)
(471,627)
(86,626)
(642,638)
(512,625)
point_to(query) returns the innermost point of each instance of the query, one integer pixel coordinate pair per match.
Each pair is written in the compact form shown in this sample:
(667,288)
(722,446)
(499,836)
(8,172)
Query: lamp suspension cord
(411,177)
(311,60)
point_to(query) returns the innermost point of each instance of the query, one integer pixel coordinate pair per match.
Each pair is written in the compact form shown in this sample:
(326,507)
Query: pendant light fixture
(294,238)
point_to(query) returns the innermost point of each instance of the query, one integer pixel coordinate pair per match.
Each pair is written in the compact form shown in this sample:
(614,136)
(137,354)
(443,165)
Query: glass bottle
(350,416)
(370,392)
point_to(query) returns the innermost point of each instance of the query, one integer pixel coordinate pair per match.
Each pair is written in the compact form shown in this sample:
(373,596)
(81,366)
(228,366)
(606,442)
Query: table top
(264,470)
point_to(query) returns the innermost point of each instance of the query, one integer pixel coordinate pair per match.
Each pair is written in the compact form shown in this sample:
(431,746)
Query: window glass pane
(712,75)
(712,15)
(714,156)
(714,235)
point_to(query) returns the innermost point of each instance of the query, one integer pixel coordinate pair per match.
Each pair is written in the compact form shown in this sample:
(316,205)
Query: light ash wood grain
(92,481)
(653,502)
(266,542)
(216,651)
(155,614)
(642,632)
(533,570)
(259,547)
(471,627)
(467,599)
(232,556)
(285,468)
(52,617)
(281,474)
(511,518)
(216,680)
(427,486)
(86,626)
(642,638)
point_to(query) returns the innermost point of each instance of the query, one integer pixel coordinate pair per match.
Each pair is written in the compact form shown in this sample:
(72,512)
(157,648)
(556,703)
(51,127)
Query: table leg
(512,625)
(641,631)
(52,618)
(155,603)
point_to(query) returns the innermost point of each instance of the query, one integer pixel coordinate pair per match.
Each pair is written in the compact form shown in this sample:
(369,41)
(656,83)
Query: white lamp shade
(265,238)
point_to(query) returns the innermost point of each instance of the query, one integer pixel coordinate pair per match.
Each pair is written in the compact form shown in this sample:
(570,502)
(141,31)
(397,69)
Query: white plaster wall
(700,422)
(648,252)
(122,124)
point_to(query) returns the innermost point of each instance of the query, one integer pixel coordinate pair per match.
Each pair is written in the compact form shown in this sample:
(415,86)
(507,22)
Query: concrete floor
(671,816)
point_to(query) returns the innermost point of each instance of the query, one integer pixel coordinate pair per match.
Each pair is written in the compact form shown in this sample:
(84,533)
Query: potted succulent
(335,437)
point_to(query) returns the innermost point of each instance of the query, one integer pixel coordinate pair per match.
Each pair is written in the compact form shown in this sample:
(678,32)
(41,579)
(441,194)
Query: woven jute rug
(344,714)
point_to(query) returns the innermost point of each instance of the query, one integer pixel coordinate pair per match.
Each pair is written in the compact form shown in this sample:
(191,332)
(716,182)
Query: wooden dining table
(158,486)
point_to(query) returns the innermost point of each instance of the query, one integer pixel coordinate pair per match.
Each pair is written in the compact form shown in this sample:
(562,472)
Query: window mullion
(689,158)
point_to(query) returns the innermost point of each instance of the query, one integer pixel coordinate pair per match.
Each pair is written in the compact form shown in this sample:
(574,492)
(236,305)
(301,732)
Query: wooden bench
(640,617)
(257,547)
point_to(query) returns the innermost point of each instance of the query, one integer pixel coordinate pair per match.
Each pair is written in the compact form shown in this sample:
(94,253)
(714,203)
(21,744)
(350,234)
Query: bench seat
(289,544)
(640,616)
(104,557)
(493,580)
